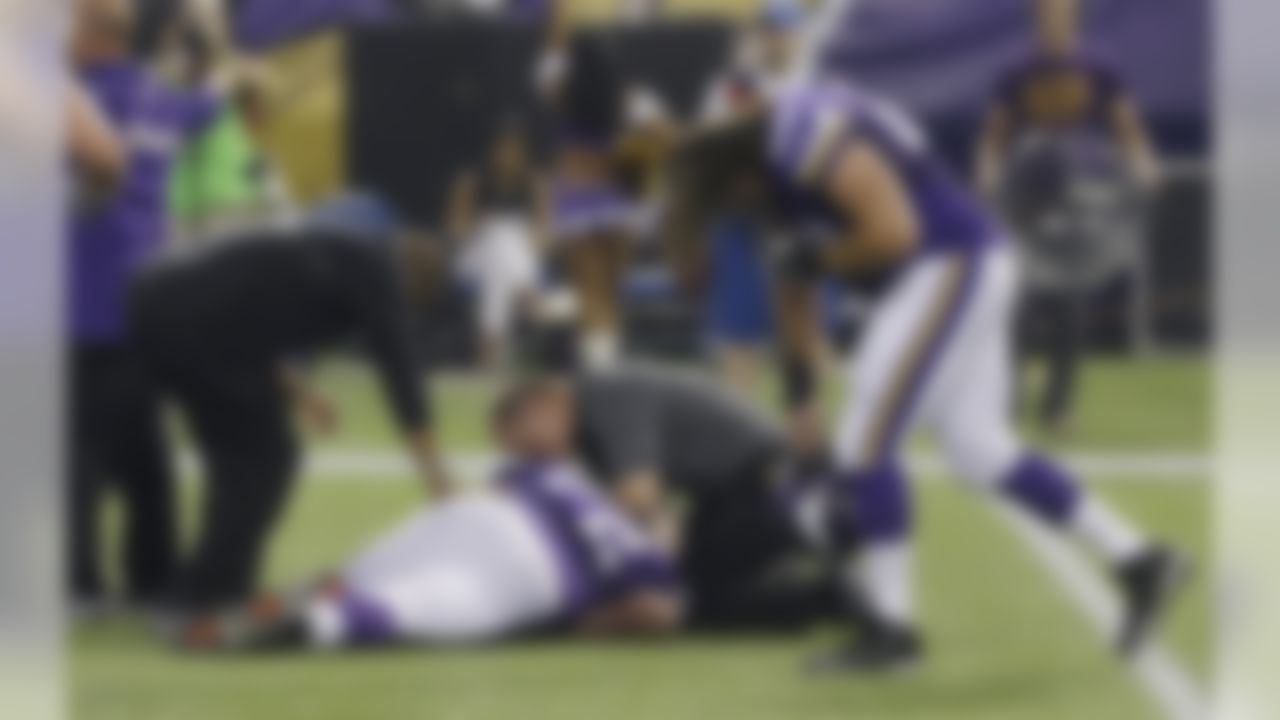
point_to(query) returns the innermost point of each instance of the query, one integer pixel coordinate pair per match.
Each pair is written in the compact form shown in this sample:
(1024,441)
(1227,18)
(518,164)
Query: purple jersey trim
(812,124)
(591,571)
(938,343)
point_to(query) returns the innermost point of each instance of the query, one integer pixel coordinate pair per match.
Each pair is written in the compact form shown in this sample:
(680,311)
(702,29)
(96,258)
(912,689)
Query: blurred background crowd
(331,125)
(324,121)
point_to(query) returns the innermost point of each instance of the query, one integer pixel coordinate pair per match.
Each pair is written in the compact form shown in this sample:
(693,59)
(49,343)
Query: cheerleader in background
(501,212)
(605,128)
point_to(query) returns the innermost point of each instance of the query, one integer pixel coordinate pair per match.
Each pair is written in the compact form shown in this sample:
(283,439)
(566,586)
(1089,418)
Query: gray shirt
(683,425)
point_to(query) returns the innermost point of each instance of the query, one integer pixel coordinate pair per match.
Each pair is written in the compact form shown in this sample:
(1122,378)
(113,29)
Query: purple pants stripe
(945,318)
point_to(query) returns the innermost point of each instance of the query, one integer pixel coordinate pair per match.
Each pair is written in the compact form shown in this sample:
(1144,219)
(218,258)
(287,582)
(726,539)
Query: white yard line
(1167,683)
(1163,467)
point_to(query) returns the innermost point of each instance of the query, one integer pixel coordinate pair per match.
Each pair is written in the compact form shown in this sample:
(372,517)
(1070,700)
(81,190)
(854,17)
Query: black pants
(1052,324)
(234,404)
(116,442)
(745,565)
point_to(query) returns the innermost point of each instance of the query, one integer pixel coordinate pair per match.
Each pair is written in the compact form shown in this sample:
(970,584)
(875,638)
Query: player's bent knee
(979,456)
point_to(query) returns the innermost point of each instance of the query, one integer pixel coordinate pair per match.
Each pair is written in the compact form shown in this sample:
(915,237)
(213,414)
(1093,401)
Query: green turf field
(1006,642)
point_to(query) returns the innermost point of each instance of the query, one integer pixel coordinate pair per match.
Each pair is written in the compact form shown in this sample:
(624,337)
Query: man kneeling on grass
(542,550)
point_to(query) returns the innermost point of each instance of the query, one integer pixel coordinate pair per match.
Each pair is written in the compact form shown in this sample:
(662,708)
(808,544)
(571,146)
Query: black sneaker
(1149,584)
(885,651)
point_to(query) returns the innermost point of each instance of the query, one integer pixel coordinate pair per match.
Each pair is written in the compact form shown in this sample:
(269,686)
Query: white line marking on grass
(1161,676)
(1162,467)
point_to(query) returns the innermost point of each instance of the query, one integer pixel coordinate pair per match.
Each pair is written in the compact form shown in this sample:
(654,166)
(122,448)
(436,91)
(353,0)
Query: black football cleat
(1149,585)
(884,651)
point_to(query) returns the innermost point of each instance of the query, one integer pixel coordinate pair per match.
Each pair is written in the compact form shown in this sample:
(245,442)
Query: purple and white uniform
(544,548)
(813,122)
(936,352)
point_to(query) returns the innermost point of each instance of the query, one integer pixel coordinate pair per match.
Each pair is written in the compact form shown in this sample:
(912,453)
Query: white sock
(1106,533)
(325,626)
(600,349)
(884,574)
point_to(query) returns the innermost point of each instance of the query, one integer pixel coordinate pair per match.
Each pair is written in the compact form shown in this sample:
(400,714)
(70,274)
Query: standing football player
(865,199)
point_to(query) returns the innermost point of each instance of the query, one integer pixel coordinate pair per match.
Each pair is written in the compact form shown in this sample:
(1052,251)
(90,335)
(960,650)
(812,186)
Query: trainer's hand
(430,466)
(319,414)
(807,432)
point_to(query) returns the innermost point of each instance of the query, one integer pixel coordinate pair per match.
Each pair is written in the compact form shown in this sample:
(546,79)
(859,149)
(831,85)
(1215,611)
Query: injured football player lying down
(540,551)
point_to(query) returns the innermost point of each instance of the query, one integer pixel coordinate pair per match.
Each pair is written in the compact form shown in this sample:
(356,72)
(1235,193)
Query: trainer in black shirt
(651,433)
(220,332)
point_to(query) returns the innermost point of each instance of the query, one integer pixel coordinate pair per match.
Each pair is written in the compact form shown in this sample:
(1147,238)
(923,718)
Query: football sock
(883,574)
(1106,533)
(1049,492)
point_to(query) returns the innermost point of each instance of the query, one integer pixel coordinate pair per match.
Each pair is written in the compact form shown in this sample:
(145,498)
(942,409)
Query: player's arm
(993,141)
(883,229)
(801,345)
(1131,133)
(314,407)
(390,344)
(96,149)
(628,428)
(641,493)
(640,596)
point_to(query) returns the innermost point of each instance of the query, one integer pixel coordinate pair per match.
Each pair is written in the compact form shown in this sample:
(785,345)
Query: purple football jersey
(603,553)
(1076,91)
(812,122)
(110,242)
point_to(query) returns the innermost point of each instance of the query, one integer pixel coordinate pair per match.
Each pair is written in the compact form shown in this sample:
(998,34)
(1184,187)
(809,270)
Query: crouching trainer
(864,198)
(660,439)
(542,550)
(225,333)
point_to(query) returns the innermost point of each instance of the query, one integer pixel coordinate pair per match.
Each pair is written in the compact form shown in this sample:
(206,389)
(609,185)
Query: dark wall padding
(424,99)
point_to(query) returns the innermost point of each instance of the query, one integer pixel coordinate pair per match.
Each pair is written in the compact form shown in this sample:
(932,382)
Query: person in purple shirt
(1050,115)
(862,196)
(543,549)
(114,420)
(1062,87)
